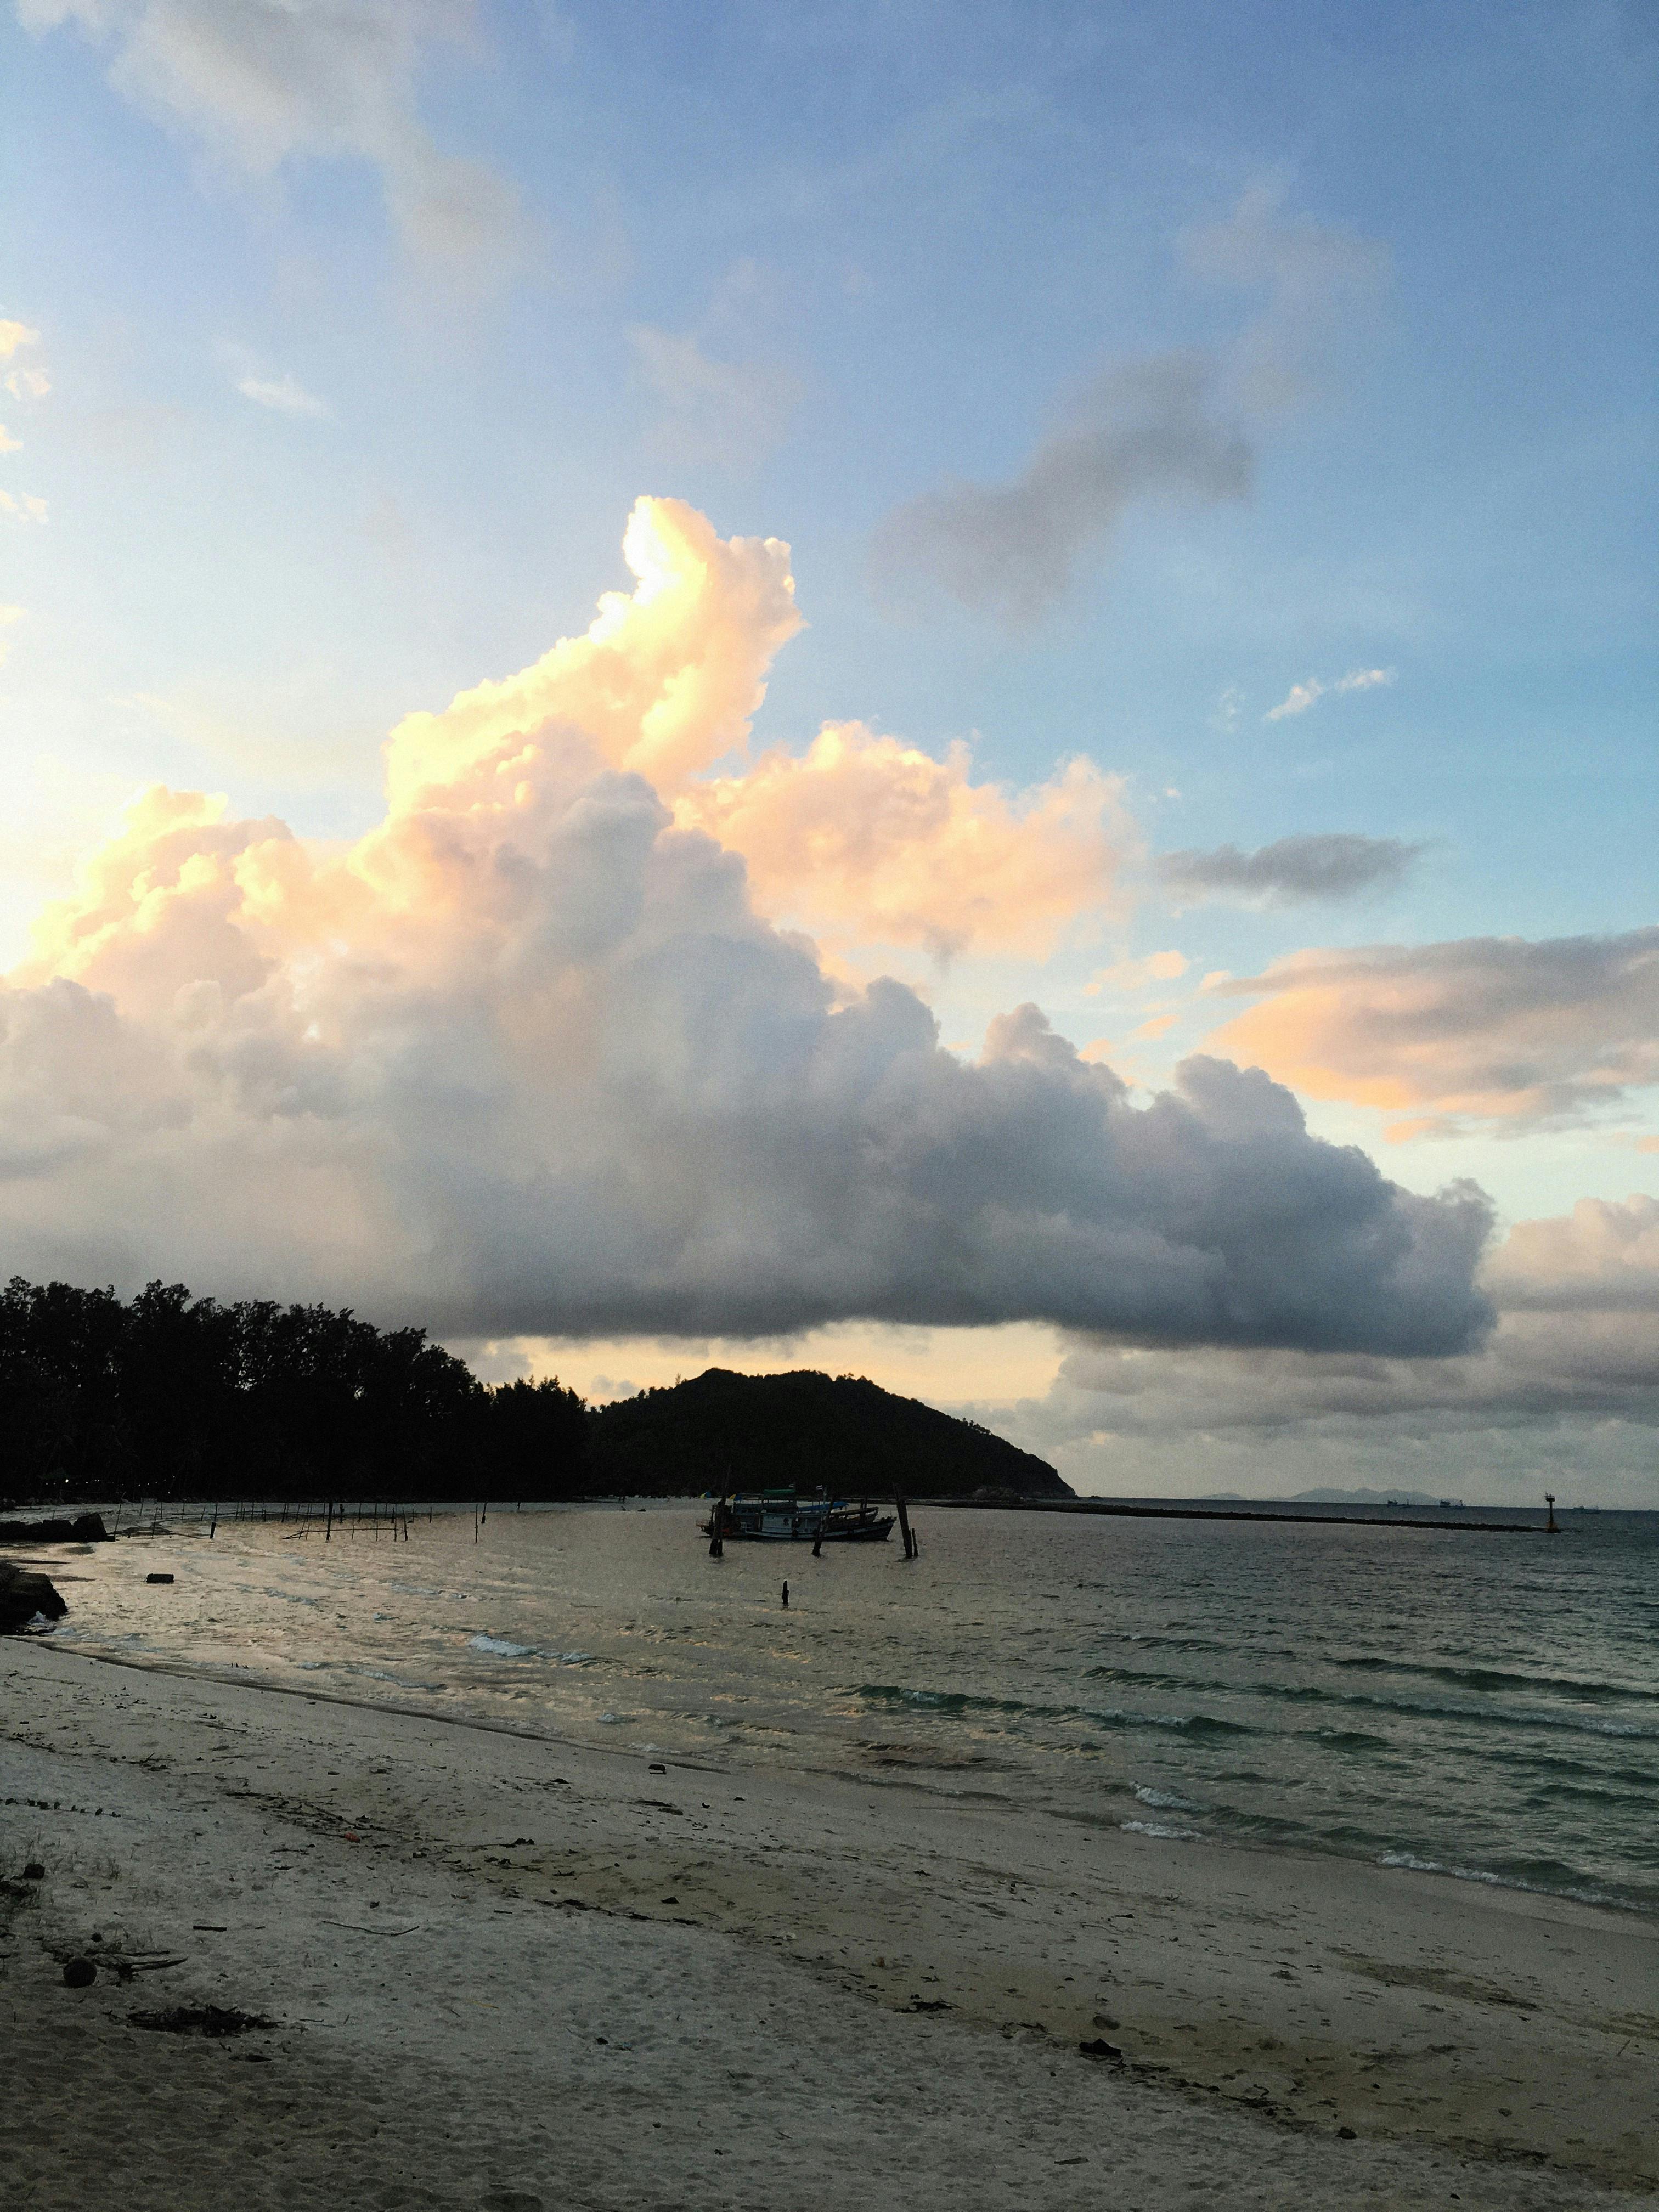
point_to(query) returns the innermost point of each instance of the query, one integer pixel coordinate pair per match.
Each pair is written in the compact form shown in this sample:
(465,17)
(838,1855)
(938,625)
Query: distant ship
(784,1516)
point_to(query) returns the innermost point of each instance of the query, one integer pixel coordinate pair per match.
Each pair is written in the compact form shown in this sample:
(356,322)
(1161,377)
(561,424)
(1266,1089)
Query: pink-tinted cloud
(865,839)
(1495,1030)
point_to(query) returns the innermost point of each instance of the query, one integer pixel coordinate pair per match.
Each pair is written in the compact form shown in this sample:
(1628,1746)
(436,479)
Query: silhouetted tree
(172,1395)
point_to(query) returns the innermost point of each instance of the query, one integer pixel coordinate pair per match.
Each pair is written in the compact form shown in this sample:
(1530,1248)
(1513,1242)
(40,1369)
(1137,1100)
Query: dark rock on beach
(22,1594)
(85,1529)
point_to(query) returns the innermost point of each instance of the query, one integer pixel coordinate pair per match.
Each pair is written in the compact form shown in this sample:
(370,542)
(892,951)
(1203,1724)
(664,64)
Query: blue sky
(314,455)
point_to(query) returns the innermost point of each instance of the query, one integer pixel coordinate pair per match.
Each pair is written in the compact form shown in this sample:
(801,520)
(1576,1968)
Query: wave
(1312,1693)
(1500,1678)
(1110,1716)
(1167,1801)
(1538,1878)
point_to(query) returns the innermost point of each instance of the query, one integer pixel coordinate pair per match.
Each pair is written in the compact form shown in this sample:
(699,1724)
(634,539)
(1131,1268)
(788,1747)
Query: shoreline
(1497,2044)
(1387,1862)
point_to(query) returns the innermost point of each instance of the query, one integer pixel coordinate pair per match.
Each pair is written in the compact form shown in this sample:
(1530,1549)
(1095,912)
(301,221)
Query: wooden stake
(905,1528)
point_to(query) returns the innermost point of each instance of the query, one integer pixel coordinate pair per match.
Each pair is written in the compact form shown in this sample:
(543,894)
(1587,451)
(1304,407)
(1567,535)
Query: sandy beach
(506,1970)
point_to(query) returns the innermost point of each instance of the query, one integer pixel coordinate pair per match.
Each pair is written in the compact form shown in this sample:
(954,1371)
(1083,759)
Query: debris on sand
(200,2020)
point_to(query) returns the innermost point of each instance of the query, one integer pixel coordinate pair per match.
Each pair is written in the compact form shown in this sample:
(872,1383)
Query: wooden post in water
(904,1528)
(1550,1527)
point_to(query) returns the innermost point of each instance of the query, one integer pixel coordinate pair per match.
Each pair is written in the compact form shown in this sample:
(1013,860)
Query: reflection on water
(1488,1706)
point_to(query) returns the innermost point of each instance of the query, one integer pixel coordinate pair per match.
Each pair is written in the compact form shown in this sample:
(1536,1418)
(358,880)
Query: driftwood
(22,1594)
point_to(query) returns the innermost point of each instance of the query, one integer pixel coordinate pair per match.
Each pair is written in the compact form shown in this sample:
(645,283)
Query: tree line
(169,1395)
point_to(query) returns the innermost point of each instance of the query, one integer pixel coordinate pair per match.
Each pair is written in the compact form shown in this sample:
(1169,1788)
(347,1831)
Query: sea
(1441,1696)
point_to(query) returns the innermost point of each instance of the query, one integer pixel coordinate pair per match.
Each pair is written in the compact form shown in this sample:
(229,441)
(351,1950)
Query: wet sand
(507,1970)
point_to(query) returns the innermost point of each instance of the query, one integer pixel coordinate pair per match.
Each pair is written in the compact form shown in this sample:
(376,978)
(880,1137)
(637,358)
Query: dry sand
(509,1971)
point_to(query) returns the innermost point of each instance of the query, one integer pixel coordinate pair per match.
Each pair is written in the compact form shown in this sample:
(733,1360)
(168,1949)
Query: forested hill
(803,1431)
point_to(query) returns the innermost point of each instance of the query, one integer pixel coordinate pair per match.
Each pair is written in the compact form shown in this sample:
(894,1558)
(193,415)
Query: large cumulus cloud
(526,1060)
(1565,1389)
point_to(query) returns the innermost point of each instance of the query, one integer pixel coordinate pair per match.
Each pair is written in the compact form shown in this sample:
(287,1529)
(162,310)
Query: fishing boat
(784,1516)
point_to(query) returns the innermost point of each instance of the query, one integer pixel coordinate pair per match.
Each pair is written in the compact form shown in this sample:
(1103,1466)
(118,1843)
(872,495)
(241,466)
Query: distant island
(841,1432)
(169,1395)
(1371,1498)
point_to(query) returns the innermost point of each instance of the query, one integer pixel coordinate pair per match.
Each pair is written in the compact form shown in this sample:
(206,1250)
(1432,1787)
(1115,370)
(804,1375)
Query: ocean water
(1484,1704)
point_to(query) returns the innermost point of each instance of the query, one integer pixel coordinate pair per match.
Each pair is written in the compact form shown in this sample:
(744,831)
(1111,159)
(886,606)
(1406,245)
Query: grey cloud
(583,1088)
(1319,287)
(1564,1390)
(1145,432)
(262,81)
(728,411)
(1293,872)
(1158,429)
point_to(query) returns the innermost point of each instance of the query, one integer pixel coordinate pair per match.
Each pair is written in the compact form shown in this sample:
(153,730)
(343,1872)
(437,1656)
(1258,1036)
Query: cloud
(23,505)
(282,394)
(1162,429)
(25,384)
(1576,1344)
(524,1060)
(1495,1030)
(864,838)
(267,82)
(8,617)
(1563,1392)
(1336,865)
(1603,1257)
(1143,432)
(1319,287)
(733,412)
(1128,975)
(1301,696)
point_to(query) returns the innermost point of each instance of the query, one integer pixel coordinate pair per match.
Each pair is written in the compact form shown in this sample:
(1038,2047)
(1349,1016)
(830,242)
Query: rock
(1100,2049)
(22,1594)
(158,1578)
(1345,2135)
(80,1973)
(85,1529)
(34,1871)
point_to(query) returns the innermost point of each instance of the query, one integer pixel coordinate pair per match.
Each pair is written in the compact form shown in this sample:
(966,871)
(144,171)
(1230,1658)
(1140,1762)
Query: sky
(963,693)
